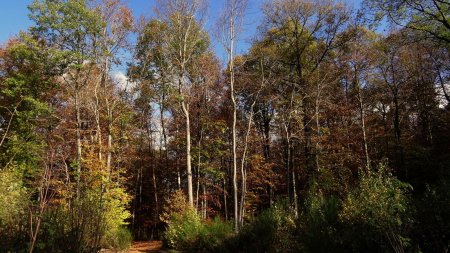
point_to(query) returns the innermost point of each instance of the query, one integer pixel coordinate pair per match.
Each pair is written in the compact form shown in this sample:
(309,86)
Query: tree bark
(363,121)
(185,108)
(78,141)
(233,100)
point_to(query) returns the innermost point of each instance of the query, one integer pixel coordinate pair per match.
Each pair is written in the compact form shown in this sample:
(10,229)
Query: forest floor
(146,247)
(143,247)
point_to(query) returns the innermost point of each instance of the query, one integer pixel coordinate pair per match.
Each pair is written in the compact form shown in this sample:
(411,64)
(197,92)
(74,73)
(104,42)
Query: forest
(329,133)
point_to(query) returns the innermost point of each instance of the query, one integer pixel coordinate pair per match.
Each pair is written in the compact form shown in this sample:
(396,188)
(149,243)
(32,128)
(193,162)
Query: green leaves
(380,200)
(23,94)
(14,202)
(71,26)
(379,205)
(428,17)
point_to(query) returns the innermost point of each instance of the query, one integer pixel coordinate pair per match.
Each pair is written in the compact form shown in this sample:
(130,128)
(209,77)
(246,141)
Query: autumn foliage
(329,133)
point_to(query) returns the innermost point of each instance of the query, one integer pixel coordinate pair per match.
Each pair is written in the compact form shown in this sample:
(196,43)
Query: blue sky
(14,17)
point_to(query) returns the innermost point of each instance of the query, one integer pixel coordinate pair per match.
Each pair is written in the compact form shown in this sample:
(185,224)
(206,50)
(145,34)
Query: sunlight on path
(141,247)
(147,246)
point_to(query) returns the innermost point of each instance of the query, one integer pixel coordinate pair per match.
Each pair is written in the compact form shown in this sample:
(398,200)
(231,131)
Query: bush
(375,213)
(118,239)
(213,236)
(175,204)
(319,224)
(116,235)
(432,226)
(14,201)
(274,230)
(93,221)
(183,229)
(186,231)
(373,217)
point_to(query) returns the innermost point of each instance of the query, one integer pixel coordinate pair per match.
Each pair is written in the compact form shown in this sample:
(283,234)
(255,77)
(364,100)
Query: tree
(71,27)
(429,17)
(358,62)
(230,26)
(117,23)
(186,40)
(306,34)
(28,84)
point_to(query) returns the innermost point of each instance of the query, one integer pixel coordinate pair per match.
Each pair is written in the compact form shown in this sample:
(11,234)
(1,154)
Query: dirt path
(146,247)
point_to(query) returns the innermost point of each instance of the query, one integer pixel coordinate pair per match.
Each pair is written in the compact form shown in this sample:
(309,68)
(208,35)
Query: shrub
(271,231)
(118,239)
(376,211)
(186,231)
(319,223)
(183,229)
(213,236)
(14,197)
(175,204)
(14,200)
(433,217)
(116,235)
(94,220)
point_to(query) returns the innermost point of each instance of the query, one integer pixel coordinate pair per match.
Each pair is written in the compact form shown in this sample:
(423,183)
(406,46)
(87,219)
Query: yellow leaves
(379,201)
(13,197)
(175,204)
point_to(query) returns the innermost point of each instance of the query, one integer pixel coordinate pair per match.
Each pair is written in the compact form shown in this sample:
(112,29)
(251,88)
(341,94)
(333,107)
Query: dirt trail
(140,247)
(146,247)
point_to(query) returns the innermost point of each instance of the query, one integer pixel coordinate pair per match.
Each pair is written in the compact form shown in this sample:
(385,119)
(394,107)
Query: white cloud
(122,81)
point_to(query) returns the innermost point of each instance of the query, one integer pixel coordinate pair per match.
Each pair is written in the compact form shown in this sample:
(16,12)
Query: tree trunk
(78,133)
(225,197)
(363,123)
(97,121)
(188,153)
(317,111)
(243,171)
(294,181)
(233,100)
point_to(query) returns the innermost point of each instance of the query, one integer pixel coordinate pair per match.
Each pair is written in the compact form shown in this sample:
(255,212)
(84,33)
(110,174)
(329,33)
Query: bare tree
(185,37)
(229,28)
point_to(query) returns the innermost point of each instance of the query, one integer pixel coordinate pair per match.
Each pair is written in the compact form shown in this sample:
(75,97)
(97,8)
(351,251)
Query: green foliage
(69,24)
(116,235)
(376,212)
(186,231)
(119,239)
(214,234)
(94,220)
(14,197)
(14,200)
(319,223)
(22,101)
(429,18)
(183,229)
(274,230)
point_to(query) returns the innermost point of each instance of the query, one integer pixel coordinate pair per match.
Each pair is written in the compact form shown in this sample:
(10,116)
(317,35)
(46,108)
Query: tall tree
(429,17)
(230,26)
(73,28)
(306,34)
(186,40)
